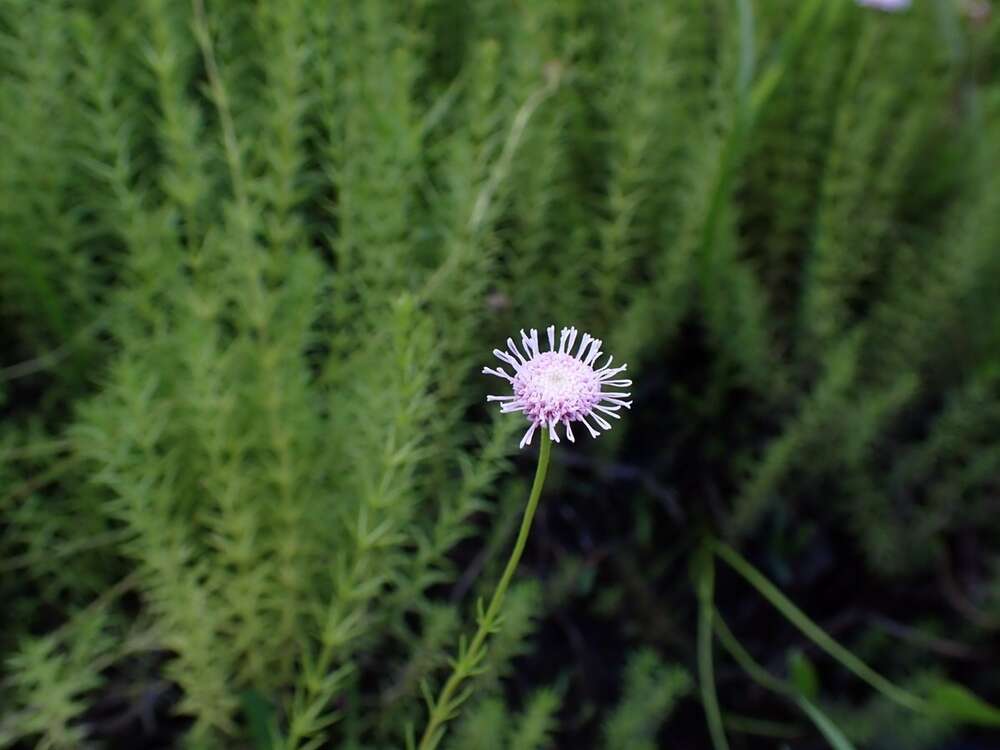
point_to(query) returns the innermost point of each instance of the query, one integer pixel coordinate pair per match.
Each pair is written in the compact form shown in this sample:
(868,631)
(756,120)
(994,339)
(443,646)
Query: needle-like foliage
(253,255)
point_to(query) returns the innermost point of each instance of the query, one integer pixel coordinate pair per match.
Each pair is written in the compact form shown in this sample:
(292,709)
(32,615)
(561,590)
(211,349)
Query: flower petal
(526,440)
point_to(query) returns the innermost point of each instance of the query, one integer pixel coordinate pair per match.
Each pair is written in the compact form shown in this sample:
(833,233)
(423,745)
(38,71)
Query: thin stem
(706,671)
(445,707)
(797,36)
(50,359)
(480,209)
(68,549)
(36,483)
(33,450)
(814,632)
(762,727)
(747,663)
(229,140)
(484,199)
(837,739)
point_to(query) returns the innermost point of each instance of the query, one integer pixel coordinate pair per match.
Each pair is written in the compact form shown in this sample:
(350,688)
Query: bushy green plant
(254,254)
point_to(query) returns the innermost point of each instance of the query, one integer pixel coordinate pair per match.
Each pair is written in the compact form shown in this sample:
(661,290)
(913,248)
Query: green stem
(747,663)
(798,35)
(814,632)
(705,587)
(445,707)
(762,727)
(760,675)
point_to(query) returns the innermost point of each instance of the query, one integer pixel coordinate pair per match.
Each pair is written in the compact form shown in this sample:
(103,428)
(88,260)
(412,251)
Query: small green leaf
(802,674)
(956,702)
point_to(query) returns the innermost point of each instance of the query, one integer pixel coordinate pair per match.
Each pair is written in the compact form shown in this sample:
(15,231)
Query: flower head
(887,5)
(560,385)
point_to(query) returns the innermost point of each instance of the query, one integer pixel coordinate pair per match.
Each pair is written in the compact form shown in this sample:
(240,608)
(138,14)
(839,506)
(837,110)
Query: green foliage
(50,679)
(254,255)
(649,693)
(490,724)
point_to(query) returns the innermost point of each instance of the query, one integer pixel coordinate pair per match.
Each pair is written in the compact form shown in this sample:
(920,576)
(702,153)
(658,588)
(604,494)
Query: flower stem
(469,659)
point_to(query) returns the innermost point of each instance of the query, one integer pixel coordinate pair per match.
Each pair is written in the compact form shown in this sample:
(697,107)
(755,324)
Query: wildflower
(887,5)
(560,386)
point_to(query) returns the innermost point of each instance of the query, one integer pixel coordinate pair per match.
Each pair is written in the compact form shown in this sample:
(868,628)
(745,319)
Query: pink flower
(888,5)
(560,386)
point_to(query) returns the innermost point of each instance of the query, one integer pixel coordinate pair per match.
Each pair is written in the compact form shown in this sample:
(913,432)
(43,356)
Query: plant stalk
(443,709)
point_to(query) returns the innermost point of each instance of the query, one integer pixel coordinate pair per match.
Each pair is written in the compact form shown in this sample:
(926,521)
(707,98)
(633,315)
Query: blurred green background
(253,256)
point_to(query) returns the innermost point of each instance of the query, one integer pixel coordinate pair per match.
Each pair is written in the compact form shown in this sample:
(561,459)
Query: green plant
(255,253)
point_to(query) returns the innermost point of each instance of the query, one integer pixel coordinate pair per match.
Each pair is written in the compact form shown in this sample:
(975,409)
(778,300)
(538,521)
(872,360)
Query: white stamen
(563,335)
(513,348)
(526,440)
(505,357)
(626,404)
(595,352)
(593,432)
(601,421)
(571,339)
(499,372)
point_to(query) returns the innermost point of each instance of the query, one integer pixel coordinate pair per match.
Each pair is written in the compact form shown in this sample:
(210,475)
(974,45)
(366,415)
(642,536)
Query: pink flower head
(560,385)
(888,5)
